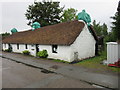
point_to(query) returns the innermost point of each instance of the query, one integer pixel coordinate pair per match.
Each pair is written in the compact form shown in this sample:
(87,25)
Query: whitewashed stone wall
(5,46)
(22,47)
(63,52)
(84,44)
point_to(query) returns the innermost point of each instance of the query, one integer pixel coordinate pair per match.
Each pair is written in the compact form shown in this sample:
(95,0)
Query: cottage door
(37,48)
(75,56)
(9,46)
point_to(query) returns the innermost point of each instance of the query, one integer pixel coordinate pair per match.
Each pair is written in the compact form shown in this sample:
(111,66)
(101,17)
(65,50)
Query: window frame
(56,47)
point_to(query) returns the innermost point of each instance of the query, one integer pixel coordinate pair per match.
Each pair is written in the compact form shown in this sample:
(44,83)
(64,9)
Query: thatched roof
(58,34)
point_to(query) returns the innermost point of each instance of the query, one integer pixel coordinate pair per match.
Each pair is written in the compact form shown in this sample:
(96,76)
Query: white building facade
(83,47)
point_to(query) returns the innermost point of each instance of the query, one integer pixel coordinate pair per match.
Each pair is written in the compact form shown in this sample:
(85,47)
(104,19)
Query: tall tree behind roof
(116,24)
(101,30)
(4,35)
(69,15)
(45,12)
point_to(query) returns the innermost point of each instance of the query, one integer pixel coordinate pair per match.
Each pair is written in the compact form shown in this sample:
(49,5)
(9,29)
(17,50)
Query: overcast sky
(12,11)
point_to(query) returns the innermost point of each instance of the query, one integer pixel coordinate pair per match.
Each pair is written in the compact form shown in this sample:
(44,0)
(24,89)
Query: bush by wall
(8,50)
(26,52)
(42,54)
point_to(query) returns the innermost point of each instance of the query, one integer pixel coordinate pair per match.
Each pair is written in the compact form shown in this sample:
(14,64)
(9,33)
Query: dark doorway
(37,48)
(10,47)
(96,49)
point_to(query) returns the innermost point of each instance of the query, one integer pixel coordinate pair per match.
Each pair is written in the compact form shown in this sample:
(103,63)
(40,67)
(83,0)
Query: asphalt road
(17,75)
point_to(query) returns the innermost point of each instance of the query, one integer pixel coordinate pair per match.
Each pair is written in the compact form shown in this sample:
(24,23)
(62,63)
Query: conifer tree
(116,24)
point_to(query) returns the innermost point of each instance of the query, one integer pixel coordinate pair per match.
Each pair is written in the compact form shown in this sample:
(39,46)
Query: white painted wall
(4,46)
(113,52)
(22,47)
(84,44)
(63,52)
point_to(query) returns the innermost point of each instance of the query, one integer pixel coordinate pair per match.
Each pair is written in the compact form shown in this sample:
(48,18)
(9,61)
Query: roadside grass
(96,63)
(93,63)
(58,60)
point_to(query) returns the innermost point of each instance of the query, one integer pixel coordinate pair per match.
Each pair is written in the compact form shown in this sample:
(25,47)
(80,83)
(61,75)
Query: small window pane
(54,48)
(32,45)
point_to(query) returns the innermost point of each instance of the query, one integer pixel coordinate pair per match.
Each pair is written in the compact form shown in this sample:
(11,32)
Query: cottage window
(54,48)
(17,46)
(26,47)
(5,45)
(32,45)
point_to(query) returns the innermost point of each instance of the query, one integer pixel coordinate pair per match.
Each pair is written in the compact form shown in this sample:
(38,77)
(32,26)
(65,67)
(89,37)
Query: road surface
(17,75)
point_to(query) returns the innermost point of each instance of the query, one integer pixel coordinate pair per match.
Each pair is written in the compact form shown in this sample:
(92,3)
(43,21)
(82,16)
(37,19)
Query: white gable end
(84,45)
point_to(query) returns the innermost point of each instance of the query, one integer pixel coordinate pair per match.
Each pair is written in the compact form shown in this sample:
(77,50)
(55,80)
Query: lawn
(96,63)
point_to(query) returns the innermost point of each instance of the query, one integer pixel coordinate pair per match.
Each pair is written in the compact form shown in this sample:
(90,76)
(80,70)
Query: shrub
(42,54)
(8,50)
(26,52)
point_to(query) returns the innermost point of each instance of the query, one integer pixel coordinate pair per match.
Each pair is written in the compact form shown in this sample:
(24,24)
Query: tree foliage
(5,34)
(45,12)
(114,35)
(110,37)
(116,26)
(69,15)
(101,30)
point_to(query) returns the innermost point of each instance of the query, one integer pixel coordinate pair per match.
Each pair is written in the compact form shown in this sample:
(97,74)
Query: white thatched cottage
(68,41)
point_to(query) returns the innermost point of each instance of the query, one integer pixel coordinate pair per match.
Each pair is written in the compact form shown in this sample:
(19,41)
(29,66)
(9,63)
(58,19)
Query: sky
(12,12)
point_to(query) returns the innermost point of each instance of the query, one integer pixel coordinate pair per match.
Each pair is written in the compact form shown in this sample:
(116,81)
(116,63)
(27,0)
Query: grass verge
(62,61)
(96,63)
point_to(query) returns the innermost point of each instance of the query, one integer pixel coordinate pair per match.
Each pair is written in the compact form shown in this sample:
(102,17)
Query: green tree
(101,30)
(5,34)
(116,27)
(97,28)
(110,37)
(104,29)
(69,15)
(45,12)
